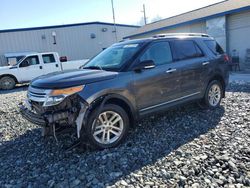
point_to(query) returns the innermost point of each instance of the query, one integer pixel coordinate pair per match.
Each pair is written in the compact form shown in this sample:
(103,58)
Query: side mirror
(24,64)
(147,64)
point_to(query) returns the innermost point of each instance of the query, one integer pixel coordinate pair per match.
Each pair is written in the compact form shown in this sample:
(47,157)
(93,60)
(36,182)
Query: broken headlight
(56,96)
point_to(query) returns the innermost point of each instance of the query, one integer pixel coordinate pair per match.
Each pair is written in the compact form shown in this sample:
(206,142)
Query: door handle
(41,67)
(205,63)
(56,65)
(170,70)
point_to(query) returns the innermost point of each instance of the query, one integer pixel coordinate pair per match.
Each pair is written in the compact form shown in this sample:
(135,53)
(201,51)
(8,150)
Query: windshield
(114,57)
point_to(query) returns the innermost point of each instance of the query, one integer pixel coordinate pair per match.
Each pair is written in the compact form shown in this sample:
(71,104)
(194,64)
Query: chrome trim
(149,67)
(171,70)
(157,105)
(38,95)
(205,63)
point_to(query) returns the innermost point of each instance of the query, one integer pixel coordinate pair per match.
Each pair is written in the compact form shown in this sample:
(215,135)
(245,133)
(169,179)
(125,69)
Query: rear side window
(214,47)
(186,49)
(48,58)
(159,52)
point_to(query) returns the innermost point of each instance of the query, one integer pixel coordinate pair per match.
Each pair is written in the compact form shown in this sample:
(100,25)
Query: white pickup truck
(32,66)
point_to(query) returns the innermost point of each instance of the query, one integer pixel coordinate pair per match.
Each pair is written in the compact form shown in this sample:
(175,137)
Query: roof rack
(181,34)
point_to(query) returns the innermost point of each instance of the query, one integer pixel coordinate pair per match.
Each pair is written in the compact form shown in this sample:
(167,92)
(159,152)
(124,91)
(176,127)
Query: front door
(157,86)
(30,68)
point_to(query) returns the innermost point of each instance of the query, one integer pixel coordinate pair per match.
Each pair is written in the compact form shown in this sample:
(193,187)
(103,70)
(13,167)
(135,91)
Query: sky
(35,13)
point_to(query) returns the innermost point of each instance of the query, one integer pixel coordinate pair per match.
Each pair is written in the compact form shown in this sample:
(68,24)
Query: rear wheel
(7,82)
(107,127)
(213,94)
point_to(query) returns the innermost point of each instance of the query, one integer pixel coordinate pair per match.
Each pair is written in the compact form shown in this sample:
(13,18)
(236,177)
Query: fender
(10,75)
(217,74)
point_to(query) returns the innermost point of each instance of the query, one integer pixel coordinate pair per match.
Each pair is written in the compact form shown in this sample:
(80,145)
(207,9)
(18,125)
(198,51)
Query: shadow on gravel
(18,88)
(31,160)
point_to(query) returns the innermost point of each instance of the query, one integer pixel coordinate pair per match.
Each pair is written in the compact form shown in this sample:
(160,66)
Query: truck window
(214,47)
(160,53)
(48,58)
(186,49)
(31,60)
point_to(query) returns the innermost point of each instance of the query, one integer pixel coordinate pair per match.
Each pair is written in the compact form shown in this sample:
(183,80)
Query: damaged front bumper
(69,113)
(31,116)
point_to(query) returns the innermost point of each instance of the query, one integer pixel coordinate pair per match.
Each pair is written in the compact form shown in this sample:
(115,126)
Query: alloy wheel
(108,127)
(214,95)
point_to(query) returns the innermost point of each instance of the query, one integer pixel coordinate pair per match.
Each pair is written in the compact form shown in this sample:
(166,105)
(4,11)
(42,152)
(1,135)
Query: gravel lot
(185,147)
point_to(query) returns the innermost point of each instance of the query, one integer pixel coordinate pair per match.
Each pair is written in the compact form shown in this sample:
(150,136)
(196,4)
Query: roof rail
(181,34)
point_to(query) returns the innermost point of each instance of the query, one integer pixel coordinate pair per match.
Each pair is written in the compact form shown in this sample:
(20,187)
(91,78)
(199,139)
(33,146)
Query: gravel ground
(185,147)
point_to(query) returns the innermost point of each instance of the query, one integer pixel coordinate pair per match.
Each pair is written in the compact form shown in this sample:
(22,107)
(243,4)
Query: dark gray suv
(126,82)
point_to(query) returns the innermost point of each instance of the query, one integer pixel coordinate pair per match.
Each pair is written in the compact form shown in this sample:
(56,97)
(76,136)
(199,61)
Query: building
(227,21)
(76,41)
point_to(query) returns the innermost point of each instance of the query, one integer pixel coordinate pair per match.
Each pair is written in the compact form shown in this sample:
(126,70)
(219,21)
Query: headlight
(58,95)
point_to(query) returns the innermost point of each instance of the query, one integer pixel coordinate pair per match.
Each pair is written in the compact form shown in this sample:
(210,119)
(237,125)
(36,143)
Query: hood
(7,68)
(71,78)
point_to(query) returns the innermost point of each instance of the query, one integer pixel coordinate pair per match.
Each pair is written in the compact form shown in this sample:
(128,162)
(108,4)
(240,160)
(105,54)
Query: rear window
(214,47)
(48,58)
(186,49)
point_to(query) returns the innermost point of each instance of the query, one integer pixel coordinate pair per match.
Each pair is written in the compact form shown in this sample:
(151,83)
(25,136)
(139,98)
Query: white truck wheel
(7,83)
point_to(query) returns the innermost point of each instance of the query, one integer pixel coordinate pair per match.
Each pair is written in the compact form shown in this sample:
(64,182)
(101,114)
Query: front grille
(37,95)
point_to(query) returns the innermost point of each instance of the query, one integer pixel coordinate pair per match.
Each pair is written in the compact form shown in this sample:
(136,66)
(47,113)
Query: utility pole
(144,14)
(115,30)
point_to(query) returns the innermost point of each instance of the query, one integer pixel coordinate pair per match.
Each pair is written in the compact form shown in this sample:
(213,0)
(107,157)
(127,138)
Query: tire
(213,94)
(96,128)
(7,83)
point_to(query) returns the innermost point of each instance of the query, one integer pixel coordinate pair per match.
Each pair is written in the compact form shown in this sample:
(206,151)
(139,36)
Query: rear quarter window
(214,47)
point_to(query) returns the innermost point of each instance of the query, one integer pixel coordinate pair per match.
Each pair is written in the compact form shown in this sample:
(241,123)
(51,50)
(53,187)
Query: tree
(141,22)
(156,18)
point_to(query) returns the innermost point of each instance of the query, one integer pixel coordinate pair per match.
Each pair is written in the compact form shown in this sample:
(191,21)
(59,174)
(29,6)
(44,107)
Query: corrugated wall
(74,42)
(224,6)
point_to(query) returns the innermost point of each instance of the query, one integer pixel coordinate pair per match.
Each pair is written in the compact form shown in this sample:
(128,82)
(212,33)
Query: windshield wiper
(93,67)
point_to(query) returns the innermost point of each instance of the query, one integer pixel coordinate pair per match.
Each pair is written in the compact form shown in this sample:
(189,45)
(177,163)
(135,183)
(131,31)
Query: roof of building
(66,25)
(211,11)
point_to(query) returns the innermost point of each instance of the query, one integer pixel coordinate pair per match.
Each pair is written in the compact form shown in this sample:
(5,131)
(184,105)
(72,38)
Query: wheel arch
(117,100)
(10,75)
(221,80)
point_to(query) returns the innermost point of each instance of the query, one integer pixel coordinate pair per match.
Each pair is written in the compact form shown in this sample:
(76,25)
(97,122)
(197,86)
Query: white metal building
(76,41)
(228,22)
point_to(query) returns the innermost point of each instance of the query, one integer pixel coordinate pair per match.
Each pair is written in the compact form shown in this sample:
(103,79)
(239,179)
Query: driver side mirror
(24,64)
(147,64)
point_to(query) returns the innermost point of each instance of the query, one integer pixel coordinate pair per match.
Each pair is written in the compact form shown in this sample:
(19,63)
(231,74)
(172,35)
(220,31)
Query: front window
(159,52)
(29,61)
(114,57)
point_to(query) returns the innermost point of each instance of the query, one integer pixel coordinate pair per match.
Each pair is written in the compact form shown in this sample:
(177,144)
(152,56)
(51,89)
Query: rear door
(50,64)
(190,60)
(30,68)
(158,86)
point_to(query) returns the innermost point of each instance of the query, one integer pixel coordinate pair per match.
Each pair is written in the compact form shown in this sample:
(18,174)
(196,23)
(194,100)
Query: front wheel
(213,94)
(7,83)
(107,127)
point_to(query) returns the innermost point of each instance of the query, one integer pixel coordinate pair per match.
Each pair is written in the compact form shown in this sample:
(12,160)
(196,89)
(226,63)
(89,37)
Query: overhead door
(238,35)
